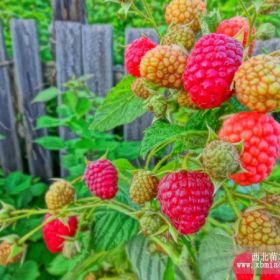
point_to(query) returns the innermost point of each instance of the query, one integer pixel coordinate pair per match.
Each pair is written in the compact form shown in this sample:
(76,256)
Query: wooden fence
(80,49)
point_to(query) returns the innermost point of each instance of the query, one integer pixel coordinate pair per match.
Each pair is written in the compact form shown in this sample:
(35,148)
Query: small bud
(266,31)
(70,249)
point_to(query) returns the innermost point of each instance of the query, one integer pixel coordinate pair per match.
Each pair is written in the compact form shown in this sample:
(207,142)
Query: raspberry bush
(200,192)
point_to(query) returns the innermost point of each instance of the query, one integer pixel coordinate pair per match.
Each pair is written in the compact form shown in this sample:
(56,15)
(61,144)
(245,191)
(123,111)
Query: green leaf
(83,106)
(159,133)
(38,189)
(169,273)
(17,182)
(2,137)
(70,99)
(46,95)
(51,142)
(29,270)
(47,121)
(119,107)
(113,229)
(216,254)
(123,165)
(148,266)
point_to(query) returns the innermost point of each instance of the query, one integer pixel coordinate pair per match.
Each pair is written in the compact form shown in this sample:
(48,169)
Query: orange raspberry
(185,12)
(257,83)
(184,100)
(139,90)
(5,251)
(258,228)
(164,66)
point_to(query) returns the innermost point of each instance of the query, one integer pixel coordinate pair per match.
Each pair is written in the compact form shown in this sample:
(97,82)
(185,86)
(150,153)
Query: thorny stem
(231,201)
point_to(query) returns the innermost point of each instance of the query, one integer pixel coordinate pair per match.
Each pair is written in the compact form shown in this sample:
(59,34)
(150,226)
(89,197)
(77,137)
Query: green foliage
(216,254)
(121,106)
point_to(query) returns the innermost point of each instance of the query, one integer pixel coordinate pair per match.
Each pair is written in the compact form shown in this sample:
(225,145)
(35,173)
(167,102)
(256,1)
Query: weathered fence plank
(267,46)
(69,10)
(29,82)
(68,62)
(98,57)
(134,131)
(10,155)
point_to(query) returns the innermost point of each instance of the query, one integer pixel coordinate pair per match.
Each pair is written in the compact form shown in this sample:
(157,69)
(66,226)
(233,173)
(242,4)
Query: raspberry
(102,179)
(143,187)
(270,271)
(210,69)
(180,35)
(5,251)
(60,193)
(185,12)
(273,199)
(258,228)
(257,83)
(260,135)
(55,231)
(139,90)
(233,26)
(241,271)
(186,198)
(158,106)
(164,66)
(184,100)
(150,224)
(134,54)
(220,159)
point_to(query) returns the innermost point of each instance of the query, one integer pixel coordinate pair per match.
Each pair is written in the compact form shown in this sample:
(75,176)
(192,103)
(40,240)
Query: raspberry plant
(208,190)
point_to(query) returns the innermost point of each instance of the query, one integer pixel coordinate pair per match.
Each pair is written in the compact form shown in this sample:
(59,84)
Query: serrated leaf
(148,266)
(29,270)
(216,254)
(51,142)
(113,229)
(157,134)
(46,95)
(121,106)
(17,182)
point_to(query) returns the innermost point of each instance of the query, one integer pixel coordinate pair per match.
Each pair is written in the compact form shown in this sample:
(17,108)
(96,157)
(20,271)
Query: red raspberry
(134,54)
(233,26)
(210,69)
(102,179)
(54,232)
(260,134)
(186,198)
(242,267)
(271,271)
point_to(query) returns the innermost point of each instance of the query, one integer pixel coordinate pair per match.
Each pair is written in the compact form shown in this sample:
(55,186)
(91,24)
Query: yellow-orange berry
(258,228)
(257,83)
(164,66)
(185,12)
(184,100)
(60,194)
(139,90)
(5,251)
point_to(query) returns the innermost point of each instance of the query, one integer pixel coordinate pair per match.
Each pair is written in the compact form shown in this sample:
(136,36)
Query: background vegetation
(101,12)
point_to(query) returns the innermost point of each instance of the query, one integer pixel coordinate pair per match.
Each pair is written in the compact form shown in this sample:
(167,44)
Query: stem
(259,201)
(218,224)
(219,203)
(231,201)
(29,234)
(159,164)
(77,180)
(156,149)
